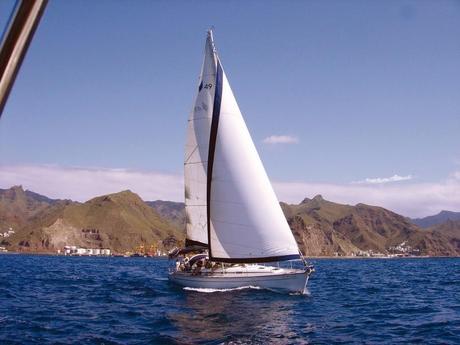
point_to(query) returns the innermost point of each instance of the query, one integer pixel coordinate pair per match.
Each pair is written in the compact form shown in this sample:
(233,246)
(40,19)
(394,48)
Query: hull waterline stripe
(212,146)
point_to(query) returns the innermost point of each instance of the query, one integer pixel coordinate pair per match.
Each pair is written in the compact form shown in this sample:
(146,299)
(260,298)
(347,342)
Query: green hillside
(120,221)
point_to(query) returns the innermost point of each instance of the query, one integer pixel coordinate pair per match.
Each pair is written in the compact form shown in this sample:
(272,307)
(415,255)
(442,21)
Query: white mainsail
(230,203)
(196,151)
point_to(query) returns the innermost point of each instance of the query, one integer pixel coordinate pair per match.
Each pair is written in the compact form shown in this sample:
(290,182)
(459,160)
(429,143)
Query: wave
(305,292)
(209,290)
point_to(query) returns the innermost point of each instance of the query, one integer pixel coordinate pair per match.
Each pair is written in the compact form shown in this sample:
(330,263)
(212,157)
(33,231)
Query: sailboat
(234,223)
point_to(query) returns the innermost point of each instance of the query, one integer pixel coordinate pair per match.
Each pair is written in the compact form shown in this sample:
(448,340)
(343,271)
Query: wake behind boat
(233,218)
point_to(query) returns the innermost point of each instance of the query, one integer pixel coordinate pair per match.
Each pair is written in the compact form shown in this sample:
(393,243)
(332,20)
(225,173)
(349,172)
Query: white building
(74,250)
(81,251)
(105,252)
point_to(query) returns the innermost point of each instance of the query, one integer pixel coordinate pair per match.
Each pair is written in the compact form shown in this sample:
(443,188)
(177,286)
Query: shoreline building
(78,251)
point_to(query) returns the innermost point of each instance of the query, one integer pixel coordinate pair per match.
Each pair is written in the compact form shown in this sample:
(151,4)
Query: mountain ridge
(441,217)
(123,221)
(119,221)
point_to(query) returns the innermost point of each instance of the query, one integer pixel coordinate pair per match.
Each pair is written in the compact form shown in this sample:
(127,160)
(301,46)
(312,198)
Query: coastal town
(398,251)
(138,252)
(401,250)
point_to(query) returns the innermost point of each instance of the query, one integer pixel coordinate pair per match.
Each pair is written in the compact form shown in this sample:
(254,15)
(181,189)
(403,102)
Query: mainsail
(230,203)
(196,151)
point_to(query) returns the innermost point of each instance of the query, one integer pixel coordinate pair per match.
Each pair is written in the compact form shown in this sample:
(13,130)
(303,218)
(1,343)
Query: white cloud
(82,184)
(382,180)
(456,175)
(409,199)
(281,139)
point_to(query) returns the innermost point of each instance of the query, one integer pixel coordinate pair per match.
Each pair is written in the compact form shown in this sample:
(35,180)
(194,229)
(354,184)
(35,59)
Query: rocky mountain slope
(436,219)
(17,206)
(120,221)
(450,229)
(173,211)
(324,228)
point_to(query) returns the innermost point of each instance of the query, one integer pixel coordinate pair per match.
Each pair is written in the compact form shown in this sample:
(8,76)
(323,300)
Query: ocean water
(83,300)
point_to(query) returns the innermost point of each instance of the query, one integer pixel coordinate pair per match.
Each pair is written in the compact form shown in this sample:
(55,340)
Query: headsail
(196,151)
(244,221)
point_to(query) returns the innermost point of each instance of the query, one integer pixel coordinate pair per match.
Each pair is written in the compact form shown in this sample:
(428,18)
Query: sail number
(207,86)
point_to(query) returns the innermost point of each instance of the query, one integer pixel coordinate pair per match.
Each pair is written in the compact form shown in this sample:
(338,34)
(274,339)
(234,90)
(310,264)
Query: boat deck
(246,270)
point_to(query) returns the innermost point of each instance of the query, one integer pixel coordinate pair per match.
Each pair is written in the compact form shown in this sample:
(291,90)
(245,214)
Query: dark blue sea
(83,300)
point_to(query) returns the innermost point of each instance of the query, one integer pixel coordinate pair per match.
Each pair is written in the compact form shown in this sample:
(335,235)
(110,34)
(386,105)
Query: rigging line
(191,154)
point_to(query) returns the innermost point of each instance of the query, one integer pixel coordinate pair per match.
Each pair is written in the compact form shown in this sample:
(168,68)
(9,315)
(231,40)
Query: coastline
(306,257)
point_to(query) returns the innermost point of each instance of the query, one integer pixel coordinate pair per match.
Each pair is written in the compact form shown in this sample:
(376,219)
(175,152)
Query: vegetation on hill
(123,222)
(322,227)
(18,206)
(120,221)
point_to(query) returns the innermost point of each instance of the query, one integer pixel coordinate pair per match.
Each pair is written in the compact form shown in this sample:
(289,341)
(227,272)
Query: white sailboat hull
(288,280)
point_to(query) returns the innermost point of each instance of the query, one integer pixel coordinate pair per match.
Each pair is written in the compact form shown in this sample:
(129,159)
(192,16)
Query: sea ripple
(90,300)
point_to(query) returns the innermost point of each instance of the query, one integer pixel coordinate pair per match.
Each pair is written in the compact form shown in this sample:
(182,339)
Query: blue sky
(368,89)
